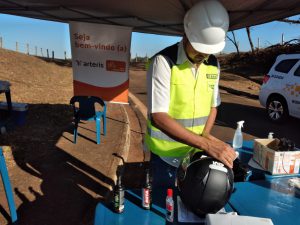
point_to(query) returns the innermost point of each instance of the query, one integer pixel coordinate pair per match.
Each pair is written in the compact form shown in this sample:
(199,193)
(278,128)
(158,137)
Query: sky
(40,35)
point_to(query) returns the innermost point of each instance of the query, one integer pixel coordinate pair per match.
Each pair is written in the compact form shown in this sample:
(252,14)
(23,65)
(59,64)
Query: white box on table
(276,162)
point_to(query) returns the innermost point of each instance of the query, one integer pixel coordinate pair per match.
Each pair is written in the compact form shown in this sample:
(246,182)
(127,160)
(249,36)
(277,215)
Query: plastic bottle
(170,206)
(146,192)
(270,135)
(119,196)
(238,136)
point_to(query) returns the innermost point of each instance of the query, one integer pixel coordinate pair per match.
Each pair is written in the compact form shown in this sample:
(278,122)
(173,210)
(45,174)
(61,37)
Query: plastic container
(19,111)
(238,136)
(170,206)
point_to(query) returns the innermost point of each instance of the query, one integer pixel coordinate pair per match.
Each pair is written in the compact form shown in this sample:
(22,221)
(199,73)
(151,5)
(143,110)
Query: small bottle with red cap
(170,206)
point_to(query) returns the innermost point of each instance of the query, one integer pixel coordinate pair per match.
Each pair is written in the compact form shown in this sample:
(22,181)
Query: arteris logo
(89,64)
(211,76)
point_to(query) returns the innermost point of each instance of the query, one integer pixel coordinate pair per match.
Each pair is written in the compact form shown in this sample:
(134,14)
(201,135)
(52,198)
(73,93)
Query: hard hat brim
(208,49)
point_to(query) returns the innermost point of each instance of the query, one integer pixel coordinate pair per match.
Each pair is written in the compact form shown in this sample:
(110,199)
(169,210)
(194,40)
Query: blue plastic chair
(7,188)
(87,111)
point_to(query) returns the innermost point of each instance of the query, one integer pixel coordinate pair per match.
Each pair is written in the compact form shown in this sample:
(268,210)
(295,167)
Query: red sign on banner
(116,66)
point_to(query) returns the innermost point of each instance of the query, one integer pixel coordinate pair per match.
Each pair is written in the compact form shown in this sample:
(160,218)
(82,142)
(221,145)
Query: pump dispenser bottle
(270,135)
(238,136)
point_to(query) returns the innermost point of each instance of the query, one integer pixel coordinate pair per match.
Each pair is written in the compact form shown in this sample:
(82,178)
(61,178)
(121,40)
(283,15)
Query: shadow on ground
(52,185)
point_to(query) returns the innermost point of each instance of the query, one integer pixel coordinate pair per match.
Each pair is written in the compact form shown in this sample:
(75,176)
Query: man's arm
(209,124)
(210,121)
(217,149)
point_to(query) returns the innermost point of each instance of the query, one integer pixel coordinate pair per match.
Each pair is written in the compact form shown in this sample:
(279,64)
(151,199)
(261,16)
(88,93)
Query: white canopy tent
(148,16)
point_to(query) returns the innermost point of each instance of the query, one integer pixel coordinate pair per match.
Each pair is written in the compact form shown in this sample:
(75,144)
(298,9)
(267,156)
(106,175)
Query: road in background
(233,108)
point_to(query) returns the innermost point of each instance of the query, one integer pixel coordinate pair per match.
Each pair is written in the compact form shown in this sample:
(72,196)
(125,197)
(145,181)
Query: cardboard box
(266,154)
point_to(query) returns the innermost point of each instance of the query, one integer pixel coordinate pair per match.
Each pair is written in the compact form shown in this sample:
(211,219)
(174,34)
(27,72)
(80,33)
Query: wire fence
(30,49)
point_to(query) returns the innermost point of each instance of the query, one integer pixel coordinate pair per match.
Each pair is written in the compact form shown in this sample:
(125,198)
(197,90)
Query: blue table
(134,214)
(260,198)
(272,199)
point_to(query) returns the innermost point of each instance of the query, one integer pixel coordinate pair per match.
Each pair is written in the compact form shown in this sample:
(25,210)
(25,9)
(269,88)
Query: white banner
(100,59)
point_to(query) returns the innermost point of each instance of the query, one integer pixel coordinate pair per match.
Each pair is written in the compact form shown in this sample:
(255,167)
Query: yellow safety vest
(190,105)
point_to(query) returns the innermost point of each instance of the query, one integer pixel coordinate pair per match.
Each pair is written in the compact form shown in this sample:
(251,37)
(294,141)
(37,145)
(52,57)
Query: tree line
(235,42)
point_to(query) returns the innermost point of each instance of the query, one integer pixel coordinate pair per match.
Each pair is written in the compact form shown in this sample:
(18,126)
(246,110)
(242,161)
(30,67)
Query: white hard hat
(206,25)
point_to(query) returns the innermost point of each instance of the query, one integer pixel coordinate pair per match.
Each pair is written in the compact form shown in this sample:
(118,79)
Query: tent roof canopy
(148,16)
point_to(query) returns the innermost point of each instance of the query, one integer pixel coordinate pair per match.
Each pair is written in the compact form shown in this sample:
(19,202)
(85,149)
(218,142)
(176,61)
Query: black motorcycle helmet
(204,183)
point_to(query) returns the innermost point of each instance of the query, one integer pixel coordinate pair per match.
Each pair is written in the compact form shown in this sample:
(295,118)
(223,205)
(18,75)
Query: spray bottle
(238,136)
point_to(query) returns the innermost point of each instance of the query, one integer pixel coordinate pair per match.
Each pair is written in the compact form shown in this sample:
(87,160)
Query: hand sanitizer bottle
(270,135)
(170,206)
(238,136)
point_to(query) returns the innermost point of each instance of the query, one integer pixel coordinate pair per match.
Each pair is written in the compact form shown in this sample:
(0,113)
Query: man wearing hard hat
(183,93)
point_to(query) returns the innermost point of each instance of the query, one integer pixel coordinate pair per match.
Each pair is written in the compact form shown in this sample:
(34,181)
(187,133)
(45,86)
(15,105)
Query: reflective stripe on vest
(190,105)
(184,122)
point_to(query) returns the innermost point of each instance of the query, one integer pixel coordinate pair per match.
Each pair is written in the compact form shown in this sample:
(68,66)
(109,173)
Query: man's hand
(221,151)
(211,145)
(214,146)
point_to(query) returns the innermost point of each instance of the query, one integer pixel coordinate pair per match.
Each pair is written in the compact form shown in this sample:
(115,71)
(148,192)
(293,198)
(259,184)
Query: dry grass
(34,80)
